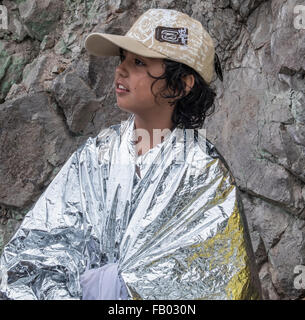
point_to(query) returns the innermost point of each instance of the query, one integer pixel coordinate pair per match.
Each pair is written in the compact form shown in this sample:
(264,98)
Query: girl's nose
(121,70)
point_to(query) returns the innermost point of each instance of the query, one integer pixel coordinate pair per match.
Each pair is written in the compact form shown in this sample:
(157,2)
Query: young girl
(147,209)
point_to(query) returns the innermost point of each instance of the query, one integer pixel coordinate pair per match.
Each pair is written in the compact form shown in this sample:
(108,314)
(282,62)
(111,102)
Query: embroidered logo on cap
(172,35)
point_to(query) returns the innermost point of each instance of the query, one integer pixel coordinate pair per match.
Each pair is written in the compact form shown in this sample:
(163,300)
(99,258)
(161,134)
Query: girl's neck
(150,132)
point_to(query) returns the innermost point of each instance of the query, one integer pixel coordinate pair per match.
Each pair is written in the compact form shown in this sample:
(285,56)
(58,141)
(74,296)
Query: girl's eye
(139,62)
(122,57)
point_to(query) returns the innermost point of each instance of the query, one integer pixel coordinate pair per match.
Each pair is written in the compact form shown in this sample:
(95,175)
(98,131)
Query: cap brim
(101,44)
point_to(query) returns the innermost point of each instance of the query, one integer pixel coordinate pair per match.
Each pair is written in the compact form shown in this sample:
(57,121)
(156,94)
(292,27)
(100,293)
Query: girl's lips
(118,90)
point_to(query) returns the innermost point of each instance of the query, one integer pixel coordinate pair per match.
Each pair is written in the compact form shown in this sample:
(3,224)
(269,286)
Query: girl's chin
(125,106)
(126,109)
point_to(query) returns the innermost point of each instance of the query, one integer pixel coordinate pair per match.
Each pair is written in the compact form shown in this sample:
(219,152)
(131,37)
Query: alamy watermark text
(299,280)
(3,18)
(299,19)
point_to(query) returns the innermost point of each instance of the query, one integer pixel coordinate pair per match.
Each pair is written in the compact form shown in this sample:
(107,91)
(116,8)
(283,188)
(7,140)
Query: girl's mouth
(121,88)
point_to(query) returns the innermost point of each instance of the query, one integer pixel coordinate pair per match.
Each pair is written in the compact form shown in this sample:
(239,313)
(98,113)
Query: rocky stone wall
(53,96)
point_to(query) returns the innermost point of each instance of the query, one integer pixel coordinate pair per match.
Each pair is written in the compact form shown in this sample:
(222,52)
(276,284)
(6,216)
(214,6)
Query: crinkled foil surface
(169,218)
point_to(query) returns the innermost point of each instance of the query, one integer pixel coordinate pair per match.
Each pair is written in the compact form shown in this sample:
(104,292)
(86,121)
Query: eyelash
(137,61)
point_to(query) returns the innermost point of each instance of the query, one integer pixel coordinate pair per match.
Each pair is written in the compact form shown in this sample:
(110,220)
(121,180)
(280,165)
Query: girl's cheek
(142,85)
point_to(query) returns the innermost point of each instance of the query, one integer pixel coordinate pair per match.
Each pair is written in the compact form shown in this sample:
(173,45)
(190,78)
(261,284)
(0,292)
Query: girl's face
(133,85)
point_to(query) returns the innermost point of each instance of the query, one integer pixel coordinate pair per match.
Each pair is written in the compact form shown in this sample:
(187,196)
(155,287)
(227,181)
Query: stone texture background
(53,96)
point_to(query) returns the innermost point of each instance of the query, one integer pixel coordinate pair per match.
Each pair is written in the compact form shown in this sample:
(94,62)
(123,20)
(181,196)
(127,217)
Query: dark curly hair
(190,108)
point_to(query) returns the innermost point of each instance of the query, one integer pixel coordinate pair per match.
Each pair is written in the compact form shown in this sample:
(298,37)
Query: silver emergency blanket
(168,219)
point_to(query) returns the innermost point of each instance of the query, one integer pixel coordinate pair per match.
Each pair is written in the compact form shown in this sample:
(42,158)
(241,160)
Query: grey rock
(19,29)
(32,74)
(274,233)
(15,29)
(33,143)
(291,241)
(40,17)
(120,5)
(10,220)
(47,42)
(268,290)
(77,101)
(12,63)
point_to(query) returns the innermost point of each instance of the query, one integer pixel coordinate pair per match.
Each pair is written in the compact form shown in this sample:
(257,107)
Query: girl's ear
(189,82)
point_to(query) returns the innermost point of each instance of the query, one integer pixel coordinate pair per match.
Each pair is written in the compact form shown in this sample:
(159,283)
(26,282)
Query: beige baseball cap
(161,33)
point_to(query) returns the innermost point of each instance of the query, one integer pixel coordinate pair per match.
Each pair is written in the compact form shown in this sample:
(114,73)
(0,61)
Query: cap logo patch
(172,35)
